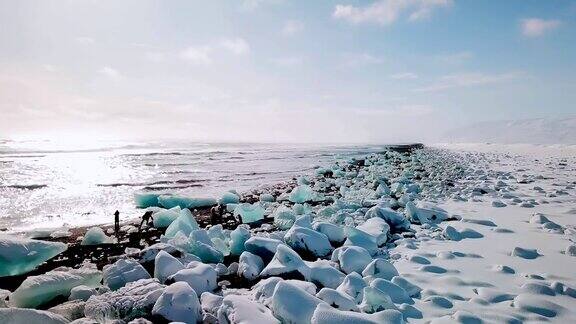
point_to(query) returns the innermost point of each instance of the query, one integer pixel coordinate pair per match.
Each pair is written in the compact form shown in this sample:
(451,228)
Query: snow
(123,271)
(20,255)
(380,268)
(325,314)
(38,290)
(96,236)
(201,277)
(292,304)
(241,310)
(178,303)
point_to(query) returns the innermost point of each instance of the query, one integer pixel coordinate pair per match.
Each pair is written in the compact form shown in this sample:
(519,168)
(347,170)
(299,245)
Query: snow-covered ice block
(96,236)
(123,271)
(324,274)
(380,268)
(238,238)
(263,247)
(82,292)
(324,314)
(241,310)
(166,265)
(210,302)
(337,299)
(353,285)
(411,289)
(292,304)
(20,255)
(374,300)
(376,227)
(229,198)
(334,233)
(352,258)
(201,277)
(397,293)
(29,316)
(37,290)
(171,201)
(308,241)
(425,213)
(396,220)
(127,303)
(249,213)
(302,194)
(250,265)
(359,238)
(178,303)
(185,223)
(286,262)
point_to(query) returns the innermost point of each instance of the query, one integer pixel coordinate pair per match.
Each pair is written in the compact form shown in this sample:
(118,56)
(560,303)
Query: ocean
(43,185)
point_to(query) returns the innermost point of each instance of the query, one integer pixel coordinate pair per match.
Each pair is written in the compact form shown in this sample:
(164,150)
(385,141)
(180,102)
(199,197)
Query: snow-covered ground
(469,233)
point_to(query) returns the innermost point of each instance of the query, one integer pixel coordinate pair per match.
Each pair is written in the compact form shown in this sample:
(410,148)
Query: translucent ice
(145,200)
(95,236)
(250,265)
(185,223)
(38,290)
(249,213)
(171,201)
(302,194)
(229,198)
(117,275)
(19,255)
(238,238)
(284,217)
(165,217)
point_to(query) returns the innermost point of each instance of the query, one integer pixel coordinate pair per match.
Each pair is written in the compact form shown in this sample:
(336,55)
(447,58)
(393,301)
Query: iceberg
(179,303)
(240,309)
(96,236)
(238,238)
(171,201)
(38,290)
(353,286)
(337,299)
(145,200)
(292,304)
(20,255)
(302,194)
(308,241)
(249,213)
(377,227)
(357,237)
(25,315)
(185,223)
(165,217)
(352,258)
(286,262)
(202,246)
(265,197)
(396,221)
(380,268)
(123,271)
(284,217)
(82,293)
(250,265)
(166,265)
(229,198)
(375,300)
(334,233)
(263,247)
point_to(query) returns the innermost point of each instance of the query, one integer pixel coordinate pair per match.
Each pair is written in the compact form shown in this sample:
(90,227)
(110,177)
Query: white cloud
(457,58)
(238,46)
(110,73)
(85,40)
(404,76)
(288,61)
(386,12)
(250,5)
(535,27)
(292,27)
(468,80)
(155,56)
(360,59)
(199,55)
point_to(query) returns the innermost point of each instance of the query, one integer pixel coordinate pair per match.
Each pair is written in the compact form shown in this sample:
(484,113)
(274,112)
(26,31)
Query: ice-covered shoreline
(447,234)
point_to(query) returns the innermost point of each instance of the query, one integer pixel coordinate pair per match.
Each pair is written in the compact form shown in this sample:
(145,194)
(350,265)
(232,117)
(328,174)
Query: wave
(149,184)
(25,187)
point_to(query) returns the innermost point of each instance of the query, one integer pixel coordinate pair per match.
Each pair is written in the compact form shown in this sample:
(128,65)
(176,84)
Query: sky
(280,70)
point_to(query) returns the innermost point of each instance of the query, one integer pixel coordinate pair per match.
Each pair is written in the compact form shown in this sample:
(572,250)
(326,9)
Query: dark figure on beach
(216,215)
(116,223)
(147,218)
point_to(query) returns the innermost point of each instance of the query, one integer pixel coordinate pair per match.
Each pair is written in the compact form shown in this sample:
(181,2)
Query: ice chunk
(308,241)
(82,292)
(356,237)
(380,268)
(263,247)
(229,198)
(302,194)
(96,236)
(334,233)
(411,289)
(166,265)
(171,201)
(352,258)
(265,197)
(337,299)
(30,316)
(185,223)
(202,246)
(19,255)
(210,302)
(375,300)
(286,262)
(325,314)
(292,304)
(250,265)
(353,285)
(377,227)
(284,217)
(249,213)
(396,221)
(38,290)
(179,303)
(201,277)
(324,274)
(425,212)
(145,200)
(238,238)
(397,293)
(165,217)
(127,303)
(241,310)
(123,271)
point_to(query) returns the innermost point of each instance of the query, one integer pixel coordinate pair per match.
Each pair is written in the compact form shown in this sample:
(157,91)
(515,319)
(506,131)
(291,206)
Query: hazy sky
(280,70)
